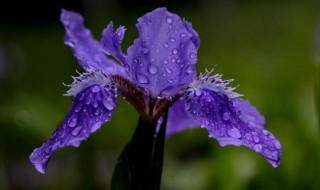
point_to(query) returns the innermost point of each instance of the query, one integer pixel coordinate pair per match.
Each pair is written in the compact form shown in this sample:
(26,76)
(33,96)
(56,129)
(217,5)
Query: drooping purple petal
(249,113)
(86,49)
(163,58)
(216,112)
(179,119)
(91,108)
(111,42)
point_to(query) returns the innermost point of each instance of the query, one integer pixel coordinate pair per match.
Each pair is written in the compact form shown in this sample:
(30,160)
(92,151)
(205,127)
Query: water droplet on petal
(182,35)
(234,132)
(77,109)
(174,51)
(198,92)
(96,112)
(142,79)
(188,106)
(226,116)
(172,39)
(192,55)
(48,150)
(152,69)
(109,104)
(73,122)
(95,104)
(76,131)
(145,50)
(277,145)
(169,20)
(257,147)
(256,139)
(166,45)
(95,127)
(168,70)
(190,69)
(95,89)
(165,62)
(80,96)
(152,60)
(173,60)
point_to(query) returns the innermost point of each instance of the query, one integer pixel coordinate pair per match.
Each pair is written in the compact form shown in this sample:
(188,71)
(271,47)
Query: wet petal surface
(91,108)
(216,113)
(163,58)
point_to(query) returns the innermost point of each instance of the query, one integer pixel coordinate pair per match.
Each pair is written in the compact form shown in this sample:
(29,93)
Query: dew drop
(169,20)
(49,149)
(170,81)
(226,116)
(145,50)
(73,122)
(152,60)
(174,51)
(172,39)
(277,145)
(168,70)
(95,104)
(182,35)
(198,92)
(188,106)
(77,109)
(80,96)
(95,127)
(166,45)
(173,60)
(96,112)
(192,55)
(190,69)
(152,69)
(109,104)
(234,132)
(88,101)
(95,89)
(165,62)
(142,79)
(257,147)
(76,131)
(256,139)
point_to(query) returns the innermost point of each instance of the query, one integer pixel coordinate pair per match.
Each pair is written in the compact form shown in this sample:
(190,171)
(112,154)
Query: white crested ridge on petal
(214,83)
(85,80)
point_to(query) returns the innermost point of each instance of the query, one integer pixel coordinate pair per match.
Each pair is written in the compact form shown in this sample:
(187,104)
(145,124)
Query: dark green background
(270,48)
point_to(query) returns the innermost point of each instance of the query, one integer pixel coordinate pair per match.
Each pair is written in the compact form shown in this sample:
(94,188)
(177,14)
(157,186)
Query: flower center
(150,109)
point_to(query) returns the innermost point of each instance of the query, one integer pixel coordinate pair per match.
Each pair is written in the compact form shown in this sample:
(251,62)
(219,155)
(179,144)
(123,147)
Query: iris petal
(86,49)
(216,112)
(179,119)
(91,108)
(163,58)
(111,42)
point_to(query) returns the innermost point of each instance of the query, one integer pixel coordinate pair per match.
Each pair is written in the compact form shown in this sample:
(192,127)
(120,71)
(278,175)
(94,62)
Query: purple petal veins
(91,107)
(163,58)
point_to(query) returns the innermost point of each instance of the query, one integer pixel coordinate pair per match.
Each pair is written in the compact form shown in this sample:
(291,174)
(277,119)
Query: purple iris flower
(157,74)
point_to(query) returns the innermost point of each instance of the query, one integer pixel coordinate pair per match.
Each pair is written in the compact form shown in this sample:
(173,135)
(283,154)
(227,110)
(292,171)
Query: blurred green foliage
(266,46)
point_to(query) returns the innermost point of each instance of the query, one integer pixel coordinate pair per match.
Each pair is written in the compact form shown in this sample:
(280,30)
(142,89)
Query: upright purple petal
(111,42)
(216,112)
(86,49)
(163,58)
(179,119)
(91,108)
